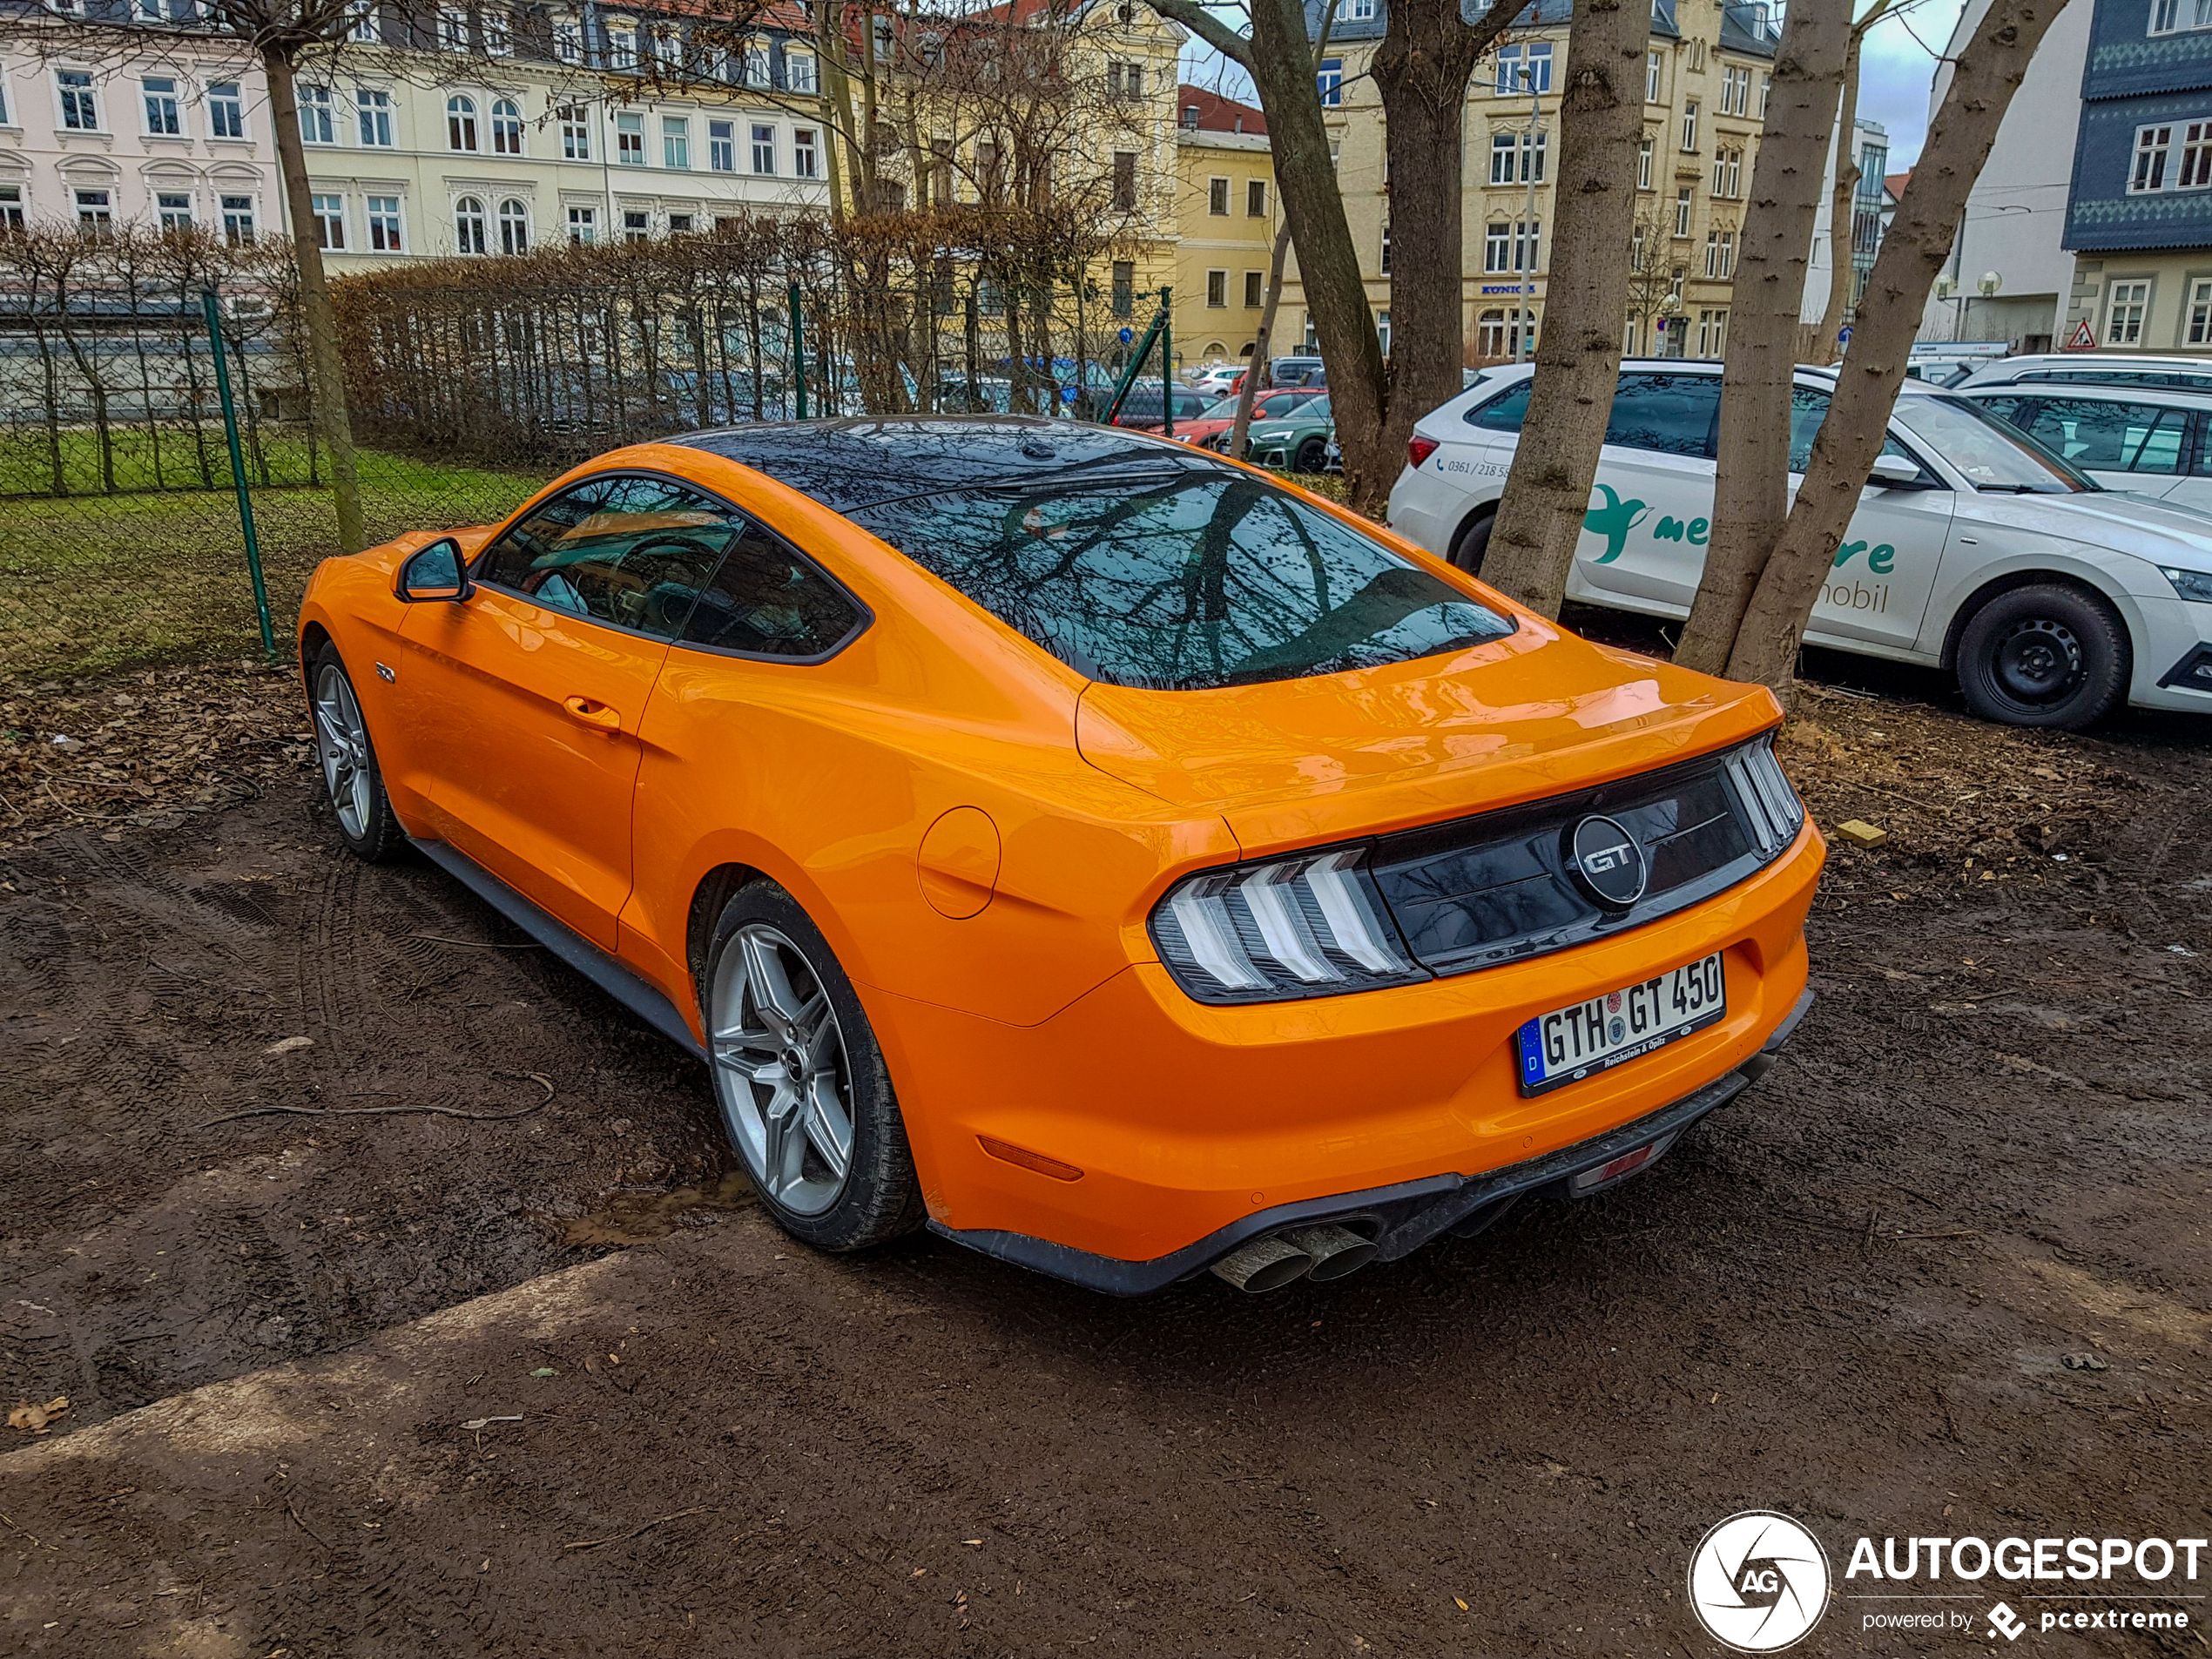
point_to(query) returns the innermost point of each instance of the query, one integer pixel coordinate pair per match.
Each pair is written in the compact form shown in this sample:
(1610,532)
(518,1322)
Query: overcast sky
(1894,75)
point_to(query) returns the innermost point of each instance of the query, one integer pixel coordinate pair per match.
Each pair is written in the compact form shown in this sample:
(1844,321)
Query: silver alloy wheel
(342,740)
(780,1069)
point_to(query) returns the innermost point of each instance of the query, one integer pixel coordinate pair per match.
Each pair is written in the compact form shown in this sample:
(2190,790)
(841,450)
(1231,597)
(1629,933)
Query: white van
(1972,548)
(2150,439)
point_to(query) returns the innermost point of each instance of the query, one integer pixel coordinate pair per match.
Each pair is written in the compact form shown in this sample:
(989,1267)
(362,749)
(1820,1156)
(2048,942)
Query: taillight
(1305,926)
(1419,449)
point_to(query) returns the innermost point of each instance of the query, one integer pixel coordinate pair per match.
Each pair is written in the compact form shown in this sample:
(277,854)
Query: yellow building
(1226,218)
(1705,91)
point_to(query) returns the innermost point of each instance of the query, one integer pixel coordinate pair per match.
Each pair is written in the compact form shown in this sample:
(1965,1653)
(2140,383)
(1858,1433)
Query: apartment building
(1226,219)
(1705,90)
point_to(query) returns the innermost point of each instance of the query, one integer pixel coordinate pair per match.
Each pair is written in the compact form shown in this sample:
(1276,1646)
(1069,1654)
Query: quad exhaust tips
(1326,1251)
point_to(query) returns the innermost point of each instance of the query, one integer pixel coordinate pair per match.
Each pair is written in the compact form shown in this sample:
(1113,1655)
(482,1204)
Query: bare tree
(1841,220)
(1256,374)
(1751,495)
(1914,248)
(1578,354)
(1655,276)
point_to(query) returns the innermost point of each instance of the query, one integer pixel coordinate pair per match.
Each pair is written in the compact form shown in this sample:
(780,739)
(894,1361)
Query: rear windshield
(1177,580)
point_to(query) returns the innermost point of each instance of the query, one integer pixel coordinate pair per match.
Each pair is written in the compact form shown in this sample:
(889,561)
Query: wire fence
(470,383)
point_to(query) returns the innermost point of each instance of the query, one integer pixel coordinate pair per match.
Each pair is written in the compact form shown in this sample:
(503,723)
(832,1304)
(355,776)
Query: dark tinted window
(767,601)
(1176,578)
(1808,408)
(2004,408)
(2108,436)
(1672,414)
(1503,414)
(630,551)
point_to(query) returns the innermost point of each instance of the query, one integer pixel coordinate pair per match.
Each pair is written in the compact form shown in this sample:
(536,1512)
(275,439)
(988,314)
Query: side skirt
(571,947)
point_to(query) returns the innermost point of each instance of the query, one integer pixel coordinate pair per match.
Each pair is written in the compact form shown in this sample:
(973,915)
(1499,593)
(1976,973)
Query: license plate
(1585,1038)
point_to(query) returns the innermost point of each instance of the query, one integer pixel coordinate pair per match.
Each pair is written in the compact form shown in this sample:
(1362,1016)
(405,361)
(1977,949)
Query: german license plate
(1585,1038)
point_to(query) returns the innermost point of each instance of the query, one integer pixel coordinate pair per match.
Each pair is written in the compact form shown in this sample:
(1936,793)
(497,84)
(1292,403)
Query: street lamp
(1671,308)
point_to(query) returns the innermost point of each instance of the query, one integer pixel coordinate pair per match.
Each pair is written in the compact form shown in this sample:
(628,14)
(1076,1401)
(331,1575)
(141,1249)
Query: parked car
(1295,443)
(1123,864)
(1297,371)
(1218,379)
(1973,547)
(1218,419)
(2094,368)
(2153,440)
(1145,407)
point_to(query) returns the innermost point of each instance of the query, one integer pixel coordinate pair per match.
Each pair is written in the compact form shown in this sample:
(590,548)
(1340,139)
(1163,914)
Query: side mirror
(433,574)
(1894,472)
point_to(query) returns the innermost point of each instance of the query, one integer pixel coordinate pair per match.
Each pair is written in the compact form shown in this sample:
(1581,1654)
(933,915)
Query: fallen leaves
(35,1420)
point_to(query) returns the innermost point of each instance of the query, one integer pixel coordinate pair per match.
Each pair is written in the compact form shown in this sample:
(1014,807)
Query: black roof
(849,464)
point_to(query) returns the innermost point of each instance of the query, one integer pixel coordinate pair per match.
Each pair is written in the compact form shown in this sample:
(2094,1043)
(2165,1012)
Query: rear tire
(1472,542)
(804,1093)
(2052,655)
(355,783)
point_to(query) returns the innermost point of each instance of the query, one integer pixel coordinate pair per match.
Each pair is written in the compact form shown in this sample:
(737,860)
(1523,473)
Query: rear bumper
(1400,1219)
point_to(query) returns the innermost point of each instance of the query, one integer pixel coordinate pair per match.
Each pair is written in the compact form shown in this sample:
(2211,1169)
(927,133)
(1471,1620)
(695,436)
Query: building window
(1359,10)
(79,112)
(1516,160)
(1681,210)
(1125,299)
(679,224)
(636,224)
(238,219)
(675,141)
(629,138)
(2126,304)
(1385,258)
(1124,181)
(1510,247)
(1643,165)
(1720,255)
(225,110)
(1217,197)
(1728,173)
(1712,332)
(162,120)
(1526,69)
(567,40)
(452,32)
(1382,331)
(1328,75)
(575,132)
(383,215)
(1690,127)
(2151,145)
(804,153)
(11,220)
(1655,70)
(461,123)
(1256,199)
(798,70)
(2195,171)
(514,227)
(764,148)
(174,208)
(756,62)
(622,46)
(506,128)
(375,112)
(2201,312)
(1252,295)
(2166,16)
(722,147)
(1217,288)
(329,214)
(469,225)
(360,26)
(318,115)
(499,33)
(1766,91)
(583,226)
(96,214)
(1735,91)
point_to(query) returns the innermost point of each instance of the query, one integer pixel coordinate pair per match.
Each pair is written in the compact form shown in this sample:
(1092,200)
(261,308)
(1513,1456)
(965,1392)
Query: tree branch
(1208,28)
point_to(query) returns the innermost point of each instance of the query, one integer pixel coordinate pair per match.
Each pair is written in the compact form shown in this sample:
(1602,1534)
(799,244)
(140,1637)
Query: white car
(2153,440)
(1972,548)
(2094,368)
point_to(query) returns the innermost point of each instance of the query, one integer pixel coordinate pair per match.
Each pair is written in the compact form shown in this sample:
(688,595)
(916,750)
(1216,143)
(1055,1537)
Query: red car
(1268,406)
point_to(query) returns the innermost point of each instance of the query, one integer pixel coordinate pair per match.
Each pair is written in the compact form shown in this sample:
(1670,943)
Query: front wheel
(1311,454)
(366,822)
(804,1093)
(2050,654)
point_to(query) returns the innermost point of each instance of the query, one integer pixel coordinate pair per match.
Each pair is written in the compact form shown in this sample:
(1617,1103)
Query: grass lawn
(92,583)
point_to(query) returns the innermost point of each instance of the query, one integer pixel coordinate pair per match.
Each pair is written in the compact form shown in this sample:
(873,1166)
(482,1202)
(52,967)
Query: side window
(1808,408)
(1674,415)
(2006,408)
(767,601)
(2110,436)
(1503,414)
(634,552)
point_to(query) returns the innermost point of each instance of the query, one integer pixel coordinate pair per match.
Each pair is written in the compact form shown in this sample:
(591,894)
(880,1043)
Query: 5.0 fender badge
(384,672)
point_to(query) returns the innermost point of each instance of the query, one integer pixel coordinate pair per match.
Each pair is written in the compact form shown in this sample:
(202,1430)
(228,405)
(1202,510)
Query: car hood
(1293,762)
(2123,522)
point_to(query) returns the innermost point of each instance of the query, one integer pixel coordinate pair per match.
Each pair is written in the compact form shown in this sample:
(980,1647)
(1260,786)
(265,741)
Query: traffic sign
(1127,334)
(1843,336)
(2082,339)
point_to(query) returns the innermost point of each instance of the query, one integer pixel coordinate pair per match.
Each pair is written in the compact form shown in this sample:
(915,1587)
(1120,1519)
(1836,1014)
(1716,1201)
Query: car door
(2142,447)
(526,695)
(1886,567)
(1643,537)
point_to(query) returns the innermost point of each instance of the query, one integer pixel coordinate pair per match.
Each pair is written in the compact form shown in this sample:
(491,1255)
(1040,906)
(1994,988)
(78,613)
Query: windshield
(1225,410)
(1314,409)
(1992,455)
(1178,579)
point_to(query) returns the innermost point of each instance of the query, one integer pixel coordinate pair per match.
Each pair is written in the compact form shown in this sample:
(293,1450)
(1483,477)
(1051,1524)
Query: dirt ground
(405,1301)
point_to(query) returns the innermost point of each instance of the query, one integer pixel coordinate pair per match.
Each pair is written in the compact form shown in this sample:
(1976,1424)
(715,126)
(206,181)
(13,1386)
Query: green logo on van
(1614,520)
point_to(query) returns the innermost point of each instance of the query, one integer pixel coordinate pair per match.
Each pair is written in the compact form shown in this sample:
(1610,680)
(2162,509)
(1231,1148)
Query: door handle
(592,713)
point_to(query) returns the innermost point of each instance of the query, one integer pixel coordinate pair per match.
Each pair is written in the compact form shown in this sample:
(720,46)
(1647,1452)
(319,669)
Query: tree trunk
(1751,494)
(1263,342)
(1839,201)
(1578,357)
(326,381)
(1918,242)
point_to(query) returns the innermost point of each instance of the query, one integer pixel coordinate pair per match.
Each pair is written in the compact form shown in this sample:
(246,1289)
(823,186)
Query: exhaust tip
(1264,1265)
(1336,1250)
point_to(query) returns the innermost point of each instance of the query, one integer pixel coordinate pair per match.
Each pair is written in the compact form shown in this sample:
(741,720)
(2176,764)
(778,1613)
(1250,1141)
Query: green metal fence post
(798,352)
(210,308)
(1167,366)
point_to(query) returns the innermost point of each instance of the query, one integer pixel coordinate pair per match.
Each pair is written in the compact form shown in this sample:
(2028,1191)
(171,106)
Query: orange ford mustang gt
(1124,862)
